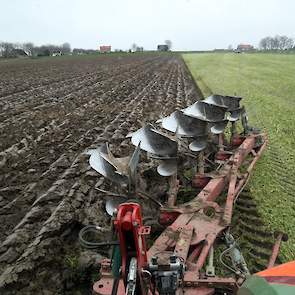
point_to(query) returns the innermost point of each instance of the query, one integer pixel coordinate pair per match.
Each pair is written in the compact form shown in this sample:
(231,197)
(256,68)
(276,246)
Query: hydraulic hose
(93,245)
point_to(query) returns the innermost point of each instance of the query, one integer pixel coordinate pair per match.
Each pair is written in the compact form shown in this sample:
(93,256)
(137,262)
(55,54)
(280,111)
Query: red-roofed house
(245,47)
(105,48)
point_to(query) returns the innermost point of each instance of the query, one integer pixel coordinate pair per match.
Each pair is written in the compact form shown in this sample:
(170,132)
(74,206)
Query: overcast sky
(189,24)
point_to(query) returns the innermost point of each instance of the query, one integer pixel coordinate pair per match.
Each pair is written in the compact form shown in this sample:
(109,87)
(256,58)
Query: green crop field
(267,84)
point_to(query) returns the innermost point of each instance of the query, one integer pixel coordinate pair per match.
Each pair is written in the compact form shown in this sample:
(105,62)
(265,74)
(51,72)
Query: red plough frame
(192,230)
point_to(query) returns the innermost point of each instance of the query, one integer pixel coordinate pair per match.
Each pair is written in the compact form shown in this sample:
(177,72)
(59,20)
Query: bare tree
(276,43)
(7,49)
(283,42)
(272,42)
(28,48)
(289,43)
(169,44)
(1,48)
(263,44)
(13,49)
(269,43)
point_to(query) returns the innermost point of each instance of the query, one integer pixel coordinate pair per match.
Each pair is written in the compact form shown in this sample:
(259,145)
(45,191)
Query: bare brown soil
(51,111)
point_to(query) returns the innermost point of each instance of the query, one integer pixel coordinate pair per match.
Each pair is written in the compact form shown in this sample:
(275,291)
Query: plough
(182,257)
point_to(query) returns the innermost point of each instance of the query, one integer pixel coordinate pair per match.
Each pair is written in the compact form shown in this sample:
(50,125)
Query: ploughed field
(51,111)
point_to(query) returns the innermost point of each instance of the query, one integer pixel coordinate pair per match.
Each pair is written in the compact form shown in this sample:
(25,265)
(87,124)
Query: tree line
(276,43)
(8,49)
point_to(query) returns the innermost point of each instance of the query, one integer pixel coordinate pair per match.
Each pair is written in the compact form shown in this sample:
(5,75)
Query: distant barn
(105,49)
(56,53)
(245,47)
(163,47)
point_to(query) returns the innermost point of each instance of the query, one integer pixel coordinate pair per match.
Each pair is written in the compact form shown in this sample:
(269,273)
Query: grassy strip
(266,82)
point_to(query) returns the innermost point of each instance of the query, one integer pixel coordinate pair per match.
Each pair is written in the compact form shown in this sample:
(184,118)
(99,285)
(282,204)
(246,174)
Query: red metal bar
(244,149)
(245,177)
(230,198)
(213,189)
(129,221)
(105,285)
(276,249)
(191,280)
(195,253)
(168,237)
(204,253)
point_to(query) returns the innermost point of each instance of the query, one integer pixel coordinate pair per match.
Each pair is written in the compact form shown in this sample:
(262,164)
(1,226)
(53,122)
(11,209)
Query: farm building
(139,49)
(56,53)
(163,47)
(245,47)
(105,48)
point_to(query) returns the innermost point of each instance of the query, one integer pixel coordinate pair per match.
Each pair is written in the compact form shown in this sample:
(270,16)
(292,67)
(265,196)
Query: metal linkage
(210,269)
(239,265)
(132,255)
(166,277)
(131,279)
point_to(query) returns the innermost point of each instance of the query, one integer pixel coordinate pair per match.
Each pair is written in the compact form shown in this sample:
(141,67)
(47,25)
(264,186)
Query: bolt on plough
(163,239)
